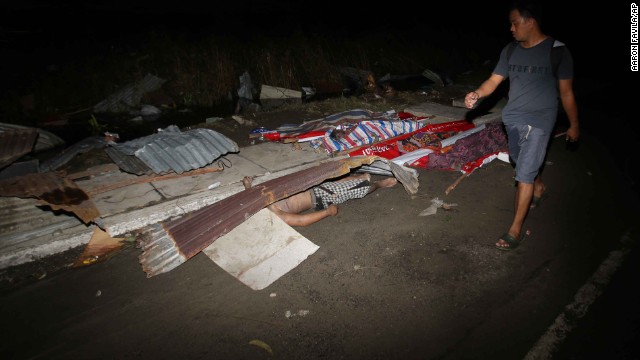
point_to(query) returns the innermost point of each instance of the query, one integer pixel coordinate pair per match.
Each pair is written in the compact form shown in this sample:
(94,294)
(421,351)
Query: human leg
(384,183)
(247,181)
(293,204)
(528,146)
(294,219)
(296,203)
(524,193)
(538,192)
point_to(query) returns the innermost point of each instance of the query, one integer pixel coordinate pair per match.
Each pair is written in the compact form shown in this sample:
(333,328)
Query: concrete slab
(22,219)
(276,156)
(125,198)
(235,168)
(35,248)
(29,231)
(441,113)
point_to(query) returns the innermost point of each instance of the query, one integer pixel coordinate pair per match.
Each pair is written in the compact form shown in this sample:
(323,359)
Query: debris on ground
(436,204)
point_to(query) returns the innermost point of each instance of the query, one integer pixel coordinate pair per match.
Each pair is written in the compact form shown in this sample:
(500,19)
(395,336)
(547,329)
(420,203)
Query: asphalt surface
(568,293)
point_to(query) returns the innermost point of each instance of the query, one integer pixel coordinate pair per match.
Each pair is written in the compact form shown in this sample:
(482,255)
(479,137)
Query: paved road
(384,284)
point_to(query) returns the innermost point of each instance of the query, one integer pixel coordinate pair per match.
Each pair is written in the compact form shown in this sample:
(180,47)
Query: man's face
(520,27)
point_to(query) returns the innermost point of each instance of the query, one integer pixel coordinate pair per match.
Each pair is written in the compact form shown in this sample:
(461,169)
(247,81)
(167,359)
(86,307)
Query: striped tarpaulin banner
(326,123)
(365,133)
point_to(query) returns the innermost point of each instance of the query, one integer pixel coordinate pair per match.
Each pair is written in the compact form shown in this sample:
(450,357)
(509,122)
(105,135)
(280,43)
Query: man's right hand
(471,99)
(332,210)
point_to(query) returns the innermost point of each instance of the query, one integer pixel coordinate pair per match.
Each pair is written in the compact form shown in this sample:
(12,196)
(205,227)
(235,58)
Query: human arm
(570,108)
(486,88)
(304,219)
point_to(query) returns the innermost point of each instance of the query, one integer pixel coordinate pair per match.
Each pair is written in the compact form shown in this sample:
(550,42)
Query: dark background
(36,35)
(597,33)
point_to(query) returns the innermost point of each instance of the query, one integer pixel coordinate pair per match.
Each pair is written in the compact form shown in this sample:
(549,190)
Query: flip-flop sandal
(511,241)
(537,200)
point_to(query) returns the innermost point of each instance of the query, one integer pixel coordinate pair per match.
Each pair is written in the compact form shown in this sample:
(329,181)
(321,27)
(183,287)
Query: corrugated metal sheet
(128,163)
(19,168)
(14,143)
(22,220)
(170,244)
(173,150)
(46,140)
(129,97)
(66,155)
(52,190)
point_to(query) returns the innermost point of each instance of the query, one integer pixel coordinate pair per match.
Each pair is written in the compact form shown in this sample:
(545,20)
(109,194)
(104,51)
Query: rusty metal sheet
(45,140)
(53,190)
(169,244)
(14,143)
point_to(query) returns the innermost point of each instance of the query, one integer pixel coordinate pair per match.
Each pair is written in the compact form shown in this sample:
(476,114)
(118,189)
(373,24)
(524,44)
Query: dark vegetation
(53,75)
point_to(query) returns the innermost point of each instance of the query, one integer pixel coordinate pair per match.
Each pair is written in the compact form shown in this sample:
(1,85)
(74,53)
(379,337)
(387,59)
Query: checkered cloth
(339,192)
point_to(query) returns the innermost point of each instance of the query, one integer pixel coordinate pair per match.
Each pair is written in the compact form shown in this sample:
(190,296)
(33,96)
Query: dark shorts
(527,149)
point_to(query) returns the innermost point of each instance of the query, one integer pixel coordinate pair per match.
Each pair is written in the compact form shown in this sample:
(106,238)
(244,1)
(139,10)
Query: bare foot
(539,190)
(246,181)
(538,194)
(388,182)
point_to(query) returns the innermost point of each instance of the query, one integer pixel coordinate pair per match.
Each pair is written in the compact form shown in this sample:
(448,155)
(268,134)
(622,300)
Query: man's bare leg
(538,189)
(384,183)
(304,219)
(247,181)
(524,194)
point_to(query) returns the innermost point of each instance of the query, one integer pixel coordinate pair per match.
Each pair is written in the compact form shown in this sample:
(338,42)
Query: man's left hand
(573,134)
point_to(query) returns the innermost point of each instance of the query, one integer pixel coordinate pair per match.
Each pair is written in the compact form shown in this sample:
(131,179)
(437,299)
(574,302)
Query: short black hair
(529,9)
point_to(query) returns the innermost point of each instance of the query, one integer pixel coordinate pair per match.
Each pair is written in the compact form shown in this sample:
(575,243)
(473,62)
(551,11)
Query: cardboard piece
(260,250)
(100,248)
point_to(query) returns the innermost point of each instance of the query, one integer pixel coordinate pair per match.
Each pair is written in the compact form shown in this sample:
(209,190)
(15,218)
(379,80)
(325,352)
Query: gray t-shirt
(533,89)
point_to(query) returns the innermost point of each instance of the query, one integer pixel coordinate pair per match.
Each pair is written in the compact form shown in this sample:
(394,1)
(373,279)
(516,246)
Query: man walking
(536,80)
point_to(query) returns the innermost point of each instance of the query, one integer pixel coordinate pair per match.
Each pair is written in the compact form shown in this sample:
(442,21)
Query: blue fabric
(527,149)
